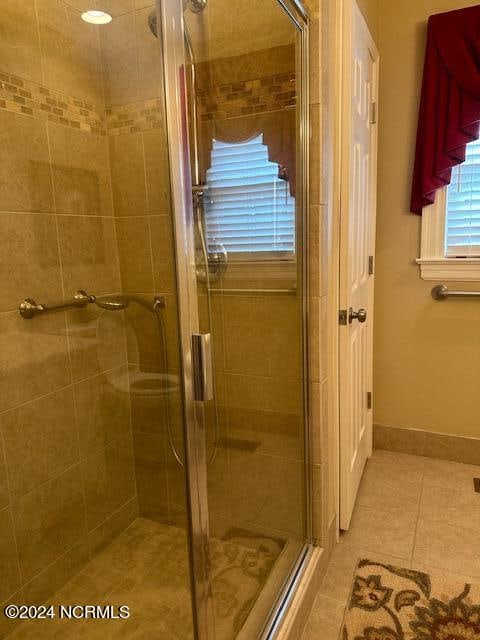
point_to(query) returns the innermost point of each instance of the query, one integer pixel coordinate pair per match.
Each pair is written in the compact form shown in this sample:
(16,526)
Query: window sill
(450,269)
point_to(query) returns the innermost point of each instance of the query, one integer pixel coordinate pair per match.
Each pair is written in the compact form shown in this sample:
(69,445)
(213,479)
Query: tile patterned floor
(412,512)
(146,568)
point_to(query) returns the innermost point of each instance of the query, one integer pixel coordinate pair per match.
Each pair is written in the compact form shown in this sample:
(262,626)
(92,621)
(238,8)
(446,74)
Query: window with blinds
(462,231)
(248,209)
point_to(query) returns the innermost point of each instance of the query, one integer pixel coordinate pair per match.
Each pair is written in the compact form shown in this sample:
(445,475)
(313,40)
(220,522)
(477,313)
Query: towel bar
(441,292)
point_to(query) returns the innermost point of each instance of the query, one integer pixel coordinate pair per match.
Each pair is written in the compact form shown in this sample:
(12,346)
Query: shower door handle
(202,366)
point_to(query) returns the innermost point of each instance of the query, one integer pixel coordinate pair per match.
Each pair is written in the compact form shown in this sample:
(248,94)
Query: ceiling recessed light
(96,17)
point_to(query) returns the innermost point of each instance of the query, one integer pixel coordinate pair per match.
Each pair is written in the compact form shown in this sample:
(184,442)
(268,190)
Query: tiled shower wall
(67,482)
(324,455)
(141,202)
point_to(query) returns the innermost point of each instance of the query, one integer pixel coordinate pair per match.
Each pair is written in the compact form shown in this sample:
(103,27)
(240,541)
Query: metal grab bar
(118,302)
(291,291)
(29,308)
(441,292)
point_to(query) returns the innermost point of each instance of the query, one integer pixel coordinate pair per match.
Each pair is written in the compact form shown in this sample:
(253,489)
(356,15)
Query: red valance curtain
(450,103)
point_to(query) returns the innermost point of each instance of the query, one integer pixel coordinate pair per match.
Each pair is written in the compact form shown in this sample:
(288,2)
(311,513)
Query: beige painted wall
(427,353)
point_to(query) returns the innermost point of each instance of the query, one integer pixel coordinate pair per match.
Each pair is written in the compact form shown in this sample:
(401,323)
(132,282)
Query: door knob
(360,315)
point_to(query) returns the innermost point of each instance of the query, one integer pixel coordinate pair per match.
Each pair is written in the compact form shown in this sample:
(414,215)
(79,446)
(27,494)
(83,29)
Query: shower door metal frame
(171,40)
(170,21)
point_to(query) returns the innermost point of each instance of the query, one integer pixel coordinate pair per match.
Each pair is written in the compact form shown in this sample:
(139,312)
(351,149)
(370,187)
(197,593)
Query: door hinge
(371,264)
(369,399)
(343,316)
(373,119)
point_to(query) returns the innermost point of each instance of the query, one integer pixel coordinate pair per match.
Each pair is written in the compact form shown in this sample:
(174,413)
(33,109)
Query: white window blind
(462,233)
(248,208)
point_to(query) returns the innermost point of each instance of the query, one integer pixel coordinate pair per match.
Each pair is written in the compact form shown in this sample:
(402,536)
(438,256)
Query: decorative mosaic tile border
(226,101)
(32,99)
(250,97)
(138,116)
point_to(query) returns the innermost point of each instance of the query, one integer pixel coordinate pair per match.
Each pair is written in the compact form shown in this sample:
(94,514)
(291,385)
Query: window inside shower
(248,208)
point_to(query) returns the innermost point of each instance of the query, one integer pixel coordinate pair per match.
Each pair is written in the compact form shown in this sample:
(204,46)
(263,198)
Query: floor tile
(379,531)
(390,483)
(449,547)
(325,619)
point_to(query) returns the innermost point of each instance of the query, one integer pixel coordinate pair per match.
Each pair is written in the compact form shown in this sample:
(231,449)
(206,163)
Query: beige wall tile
(315,250)
(54,576)
(25,181)
(88,252)
(324,337)
(263,324)
(7,626)
(148,412)
(271,432)
(29,259)
(103,409)
(135,255)
(315,69)
(319,420)
(325,251)
(314,344)
(108,480)
(100,537)
(128,175)
(317,521)
(33,360)
(81,171)
(149,57)
(176,473)
(96,341)
(284,508)
(315,184)
(120,66)
(71,56)
(157,171)
(8,557)
(270,394)
(19,43)
(218,485)
(159,511)
(150,468)
(255,478)
(163,255)
(40,441)
(144,338)
(4,492)
(48,521)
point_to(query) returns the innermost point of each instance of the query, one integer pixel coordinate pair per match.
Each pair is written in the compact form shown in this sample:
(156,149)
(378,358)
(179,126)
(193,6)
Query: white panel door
(357,229)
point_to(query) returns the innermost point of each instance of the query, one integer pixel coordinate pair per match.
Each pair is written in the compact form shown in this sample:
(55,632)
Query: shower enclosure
(153,388)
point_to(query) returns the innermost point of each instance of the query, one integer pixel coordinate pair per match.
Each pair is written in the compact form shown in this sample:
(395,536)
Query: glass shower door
(244,108)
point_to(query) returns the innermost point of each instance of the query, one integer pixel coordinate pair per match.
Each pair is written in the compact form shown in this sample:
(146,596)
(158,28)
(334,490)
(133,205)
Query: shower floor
(146,568)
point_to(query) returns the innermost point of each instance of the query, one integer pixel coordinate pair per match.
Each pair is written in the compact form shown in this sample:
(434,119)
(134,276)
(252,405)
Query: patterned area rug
(390,603)
(241,564)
